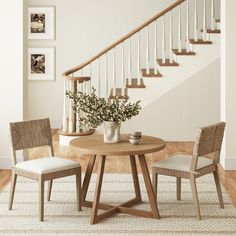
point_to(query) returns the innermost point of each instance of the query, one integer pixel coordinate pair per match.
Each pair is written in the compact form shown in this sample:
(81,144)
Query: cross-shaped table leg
(123,207)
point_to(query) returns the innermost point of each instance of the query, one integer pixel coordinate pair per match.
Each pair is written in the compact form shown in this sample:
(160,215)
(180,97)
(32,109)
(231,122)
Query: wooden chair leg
(195,196)
(218,188)
(12,191)
(41,199)
(49,189)
(78,190)
(154,182)
(178,188)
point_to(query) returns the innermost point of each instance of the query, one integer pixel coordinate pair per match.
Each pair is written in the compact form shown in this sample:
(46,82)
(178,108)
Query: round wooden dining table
(94,146)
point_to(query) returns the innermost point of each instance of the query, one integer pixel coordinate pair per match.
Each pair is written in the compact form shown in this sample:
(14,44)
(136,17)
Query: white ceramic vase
(111,132)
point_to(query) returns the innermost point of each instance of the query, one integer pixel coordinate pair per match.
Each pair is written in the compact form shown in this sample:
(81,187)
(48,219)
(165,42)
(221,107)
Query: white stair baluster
(138,60)
(147,52)
(70,125)
(155,49)
(90,81)
(204,30)
(179,31)
(85,89)
(85,129)
(78,113)
(122,69)
(81,113)
(99,77)
(171,40)
(213,23)
(187,27)
(163,51)
(65,116)
(106,76)
(195,21)
(129,62)
(114,71)
(85,86)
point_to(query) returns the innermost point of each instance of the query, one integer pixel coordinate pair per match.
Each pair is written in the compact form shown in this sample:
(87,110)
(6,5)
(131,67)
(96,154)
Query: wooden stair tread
(118,93)
(199,41)
(183,52)
(215,31)
(167,63)
(135,84)
(151,74)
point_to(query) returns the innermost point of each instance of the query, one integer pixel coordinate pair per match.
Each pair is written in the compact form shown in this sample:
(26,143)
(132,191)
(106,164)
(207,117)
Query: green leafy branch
(97,109)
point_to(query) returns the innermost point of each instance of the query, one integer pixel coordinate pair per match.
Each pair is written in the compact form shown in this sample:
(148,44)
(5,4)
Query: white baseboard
(6,161)
(229,163)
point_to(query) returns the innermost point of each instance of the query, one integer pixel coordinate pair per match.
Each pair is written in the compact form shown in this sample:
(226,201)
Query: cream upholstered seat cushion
(182,163)
(47,165)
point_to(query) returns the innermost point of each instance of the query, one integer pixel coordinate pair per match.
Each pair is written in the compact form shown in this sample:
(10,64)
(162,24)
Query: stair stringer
(173,76)
(176,115)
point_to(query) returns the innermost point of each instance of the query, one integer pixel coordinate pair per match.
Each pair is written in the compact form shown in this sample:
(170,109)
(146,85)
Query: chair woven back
(209,140)
(29,134)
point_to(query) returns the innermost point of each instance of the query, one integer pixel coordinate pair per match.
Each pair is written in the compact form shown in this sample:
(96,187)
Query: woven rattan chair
(36,133)
(209,141)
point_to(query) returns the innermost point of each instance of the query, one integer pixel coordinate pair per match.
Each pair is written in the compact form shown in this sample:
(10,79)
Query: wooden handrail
(122,39)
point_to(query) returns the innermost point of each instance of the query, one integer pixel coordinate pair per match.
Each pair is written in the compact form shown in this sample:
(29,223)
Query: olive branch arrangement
(97,109)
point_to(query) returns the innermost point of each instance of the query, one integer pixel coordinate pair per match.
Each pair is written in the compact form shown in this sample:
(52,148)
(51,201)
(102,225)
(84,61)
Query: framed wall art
(41,64)
(41,22)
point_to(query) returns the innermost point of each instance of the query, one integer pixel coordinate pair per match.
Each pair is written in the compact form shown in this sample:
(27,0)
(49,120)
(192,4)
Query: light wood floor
(121,164)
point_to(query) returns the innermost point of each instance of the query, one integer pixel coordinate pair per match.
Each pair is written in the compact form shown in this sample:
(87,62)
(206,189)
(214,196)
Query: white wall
(177,114)
(228,81)
(83,28)
(12,73)
(80,35)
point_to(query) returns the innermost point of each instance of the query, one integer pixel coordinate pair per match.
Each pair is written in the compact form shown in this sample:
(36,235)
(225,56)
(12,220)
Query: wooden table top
(95,145)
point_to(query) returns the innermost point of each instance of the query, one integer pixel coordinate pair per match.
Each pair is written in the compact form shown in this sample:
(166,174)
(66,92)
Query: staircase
(149,61)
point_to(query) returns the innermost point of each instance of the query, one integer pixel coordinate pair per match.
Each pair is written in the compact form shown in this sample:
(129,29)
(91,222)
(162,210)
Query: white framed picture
(41,22)
(41,64)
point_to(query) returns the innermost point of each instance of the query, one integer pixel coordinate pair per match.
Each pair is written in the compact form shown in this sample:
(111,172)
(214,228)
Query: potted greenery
(99,111)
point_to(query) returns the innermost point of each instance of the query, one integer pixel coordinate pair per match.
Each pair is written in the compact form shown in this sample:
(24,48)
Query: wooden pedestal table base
(94,145)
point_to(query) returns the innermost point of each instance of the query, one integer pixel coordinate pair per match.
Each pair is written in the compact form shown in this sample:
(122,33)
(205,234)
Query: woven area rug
(62,218)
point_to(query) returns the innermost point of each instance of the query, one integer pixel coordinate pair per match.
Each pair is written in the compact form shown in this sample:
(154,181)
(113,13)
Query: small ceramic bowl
(137,133)
(131,136)
(134,141)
